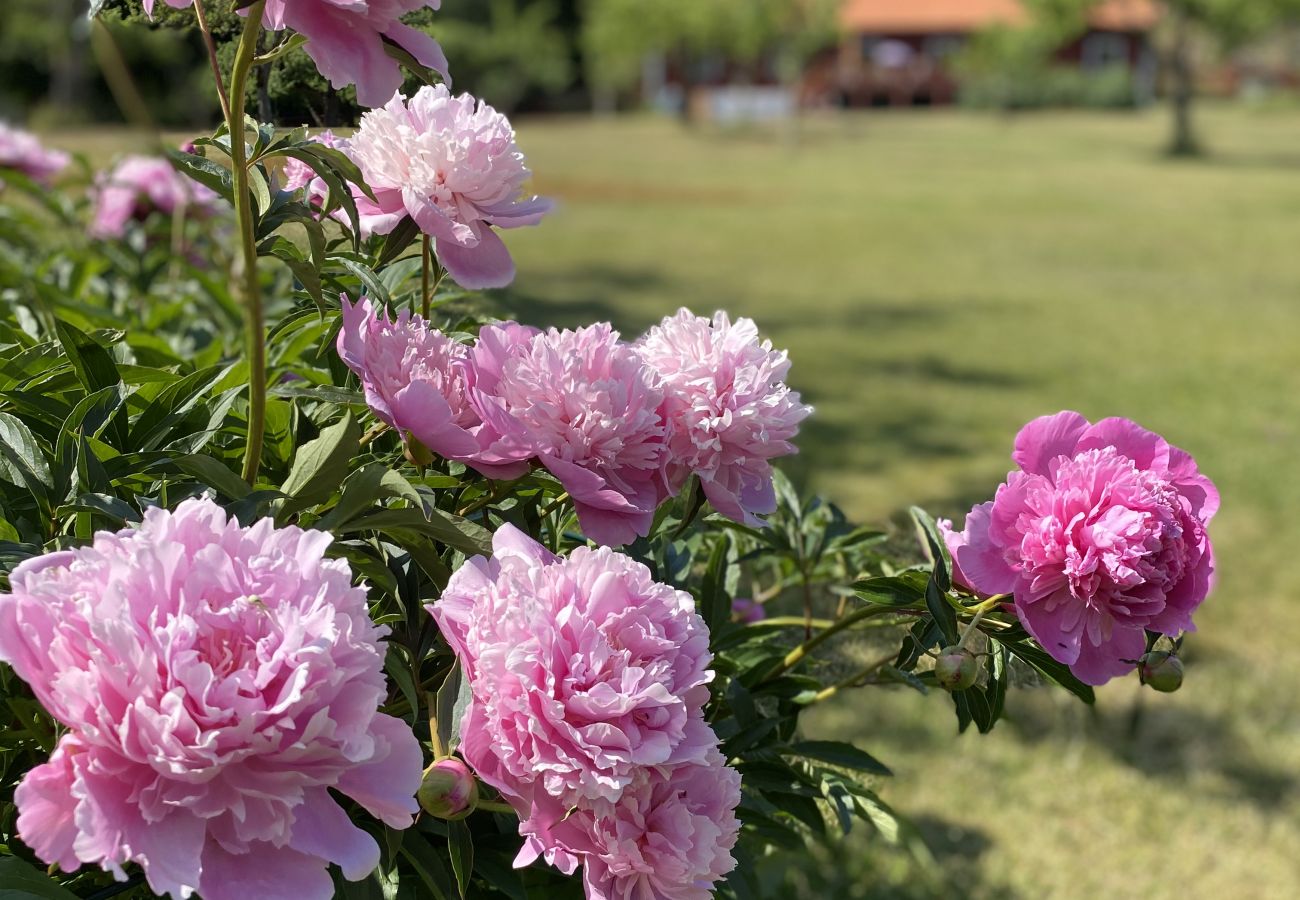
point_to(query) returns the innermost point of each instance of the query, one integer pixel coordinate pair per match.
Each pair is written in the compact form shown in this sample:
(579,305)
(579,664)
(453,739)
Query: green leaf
(449,529)
(905,589)
(397,240)
(362,488)
(288,45)
(1039,659)
(449,707)
(94,366)
(715,605)
(19,881)
(461,844)
(207,172)
(935,548)
(21,459)
(320,466)
(838,753)
(214,474)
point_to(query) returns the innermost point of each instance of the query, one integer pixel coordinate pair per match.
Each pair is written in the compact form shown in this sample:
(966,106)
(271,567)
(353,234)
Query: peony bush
(318,579)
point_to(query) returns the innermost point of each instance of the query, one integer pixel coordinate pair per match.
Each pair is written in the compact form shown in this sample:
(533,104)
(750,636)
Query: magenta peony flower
(413,376)
(669,837)
(452,165)
(345,38)
(1100,536)
(138,186)
(584,405)
(23,152)
(727,407)
(582,671)
(217,682)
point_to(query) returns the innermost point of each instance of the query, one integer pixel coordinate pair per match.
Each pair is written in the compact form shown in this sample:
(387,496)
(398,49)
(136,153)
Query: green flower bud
(1161,671)
(449,790)
(956,668)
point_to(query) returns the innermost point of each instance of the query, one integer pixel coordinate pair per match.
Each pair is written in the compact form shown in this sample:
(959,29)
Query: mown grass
(939,279)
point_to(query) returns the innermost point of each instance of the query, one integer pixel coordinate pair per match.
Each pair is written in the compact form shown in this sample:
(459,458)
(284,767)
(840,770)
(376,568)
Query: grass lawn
(939,279)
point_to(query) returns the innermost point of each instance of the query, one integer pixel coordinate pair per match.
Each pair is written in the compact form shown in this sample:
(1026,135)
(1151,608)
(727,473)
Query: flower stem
(212,58)
(493,806)
(855,679)
(255,338)
(425,265)
(798,654)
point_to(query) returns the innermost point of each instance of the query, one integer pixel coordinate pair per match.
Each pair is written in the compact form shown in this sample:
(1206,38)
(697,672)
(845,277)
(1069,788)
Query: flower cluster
(23,152)
(1100,537)
(588,681)
(452,165)
(139,186)
(346,39)
(216,682)
(622,426)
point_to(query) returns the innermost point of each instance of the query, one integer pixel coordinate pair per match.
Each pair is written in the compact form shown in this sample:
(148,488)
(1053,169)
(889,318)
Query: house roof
(962,16)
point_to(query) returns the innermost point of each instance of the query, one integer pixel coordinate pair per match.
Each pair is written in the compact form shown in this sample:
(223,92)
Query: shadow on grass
(588,294)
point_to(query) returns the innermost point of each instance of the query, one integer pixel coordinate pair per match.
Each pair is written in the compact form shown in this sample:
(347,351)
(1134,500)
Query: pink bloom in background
(23,152)
(728,409)
(413,376)
(138,186)
(217,682)
(747,611)
(1100,535)
(669,837)
(345,38)
(451,164)
(582,671)
(298,176)
(585,406)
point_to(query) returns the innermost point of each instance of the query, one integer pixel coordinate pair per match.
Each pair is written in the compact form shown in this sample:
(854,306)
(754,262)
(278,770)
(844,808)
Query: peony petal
(46,807)
(424,48)
(1112,658)
(487,265)
(265,872)
(1146,448)
(386,785)
(977,560)
(1046,438)
(321,828)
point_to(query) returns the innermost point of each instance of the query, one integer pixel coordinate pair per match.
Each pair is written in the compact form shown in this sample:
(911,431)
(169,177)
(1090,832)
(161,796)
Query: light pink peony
(23,152)
(413,377)
(345,38)
(299,176)
(452,165)
(668,837)
(217,682)
(140,185)
(727,407)
(585,406)
(1100,536)
(582,671)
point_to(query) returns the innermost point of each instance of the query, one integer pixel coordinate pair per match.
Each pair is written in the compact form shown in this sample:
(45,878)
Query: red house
(896,52)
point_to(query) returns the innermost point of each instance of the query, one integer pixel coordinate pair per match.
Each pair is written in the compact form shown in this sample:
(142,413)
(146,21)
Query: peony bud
(956,668)
(449,790)
(1161,671)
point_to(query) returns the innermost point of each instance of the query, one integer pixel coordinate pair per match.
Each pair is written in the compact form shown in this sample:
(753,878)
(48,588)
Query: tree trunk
(1182,88)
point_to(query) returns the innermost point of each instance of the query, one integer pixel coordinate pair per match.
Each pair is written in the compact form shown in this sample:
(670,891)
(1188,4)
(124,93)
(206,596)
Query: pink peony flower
(452,165)
(217,682)
(23,152)
(140,185)
(727,407)
(1100,536)
(345,38)
(582,671)
(298,176)
(413,377)
(585,406)
(669,837)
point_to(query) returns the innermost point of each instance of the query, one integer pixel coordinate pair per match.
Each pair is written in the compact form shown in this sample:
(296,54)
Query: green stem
(855,679)
(255,338)
(212,58)
(425,265)
(493,806)
(798,654)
